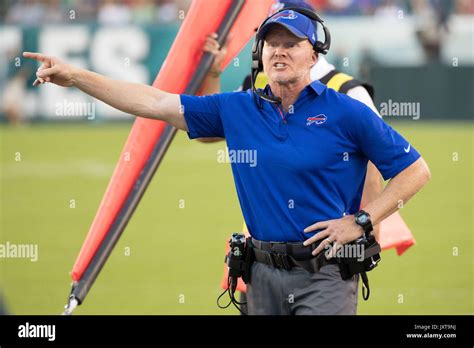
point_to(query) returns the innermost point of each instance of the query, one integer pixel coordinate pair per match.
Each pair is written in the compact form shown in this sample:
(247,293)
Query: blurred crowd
(108,12)
(430,27)
(33,12)
(389,7)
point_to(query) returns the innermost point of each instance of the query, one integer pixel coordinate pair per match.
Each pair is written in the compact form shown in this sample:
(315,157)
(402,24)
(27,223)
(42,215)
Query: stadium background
(170,258)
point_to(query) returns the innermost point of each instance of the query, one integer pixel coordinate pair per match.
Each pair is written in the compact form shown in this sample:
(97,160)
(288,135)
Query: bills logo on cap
(319,119)
(289,15)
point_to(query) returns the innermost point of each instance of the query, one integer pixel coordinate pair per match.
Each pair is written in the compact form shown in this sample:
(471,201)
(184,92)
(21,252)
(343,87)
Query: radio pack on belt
(353,265)
(239,261)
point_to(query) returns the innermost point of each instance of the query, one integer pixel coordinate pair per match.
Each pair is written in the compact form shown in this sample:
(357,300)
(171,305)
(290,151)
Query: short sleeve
(390,152)
(202,115)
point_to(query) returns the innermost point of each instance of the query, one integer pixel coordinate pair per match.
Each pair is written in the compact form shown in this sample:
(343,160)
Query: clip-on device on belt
(239,260)
(351,265)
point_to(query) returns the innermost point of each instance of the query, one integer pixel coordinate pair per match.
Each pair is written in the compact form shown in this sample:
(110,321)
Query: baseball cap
(297,23)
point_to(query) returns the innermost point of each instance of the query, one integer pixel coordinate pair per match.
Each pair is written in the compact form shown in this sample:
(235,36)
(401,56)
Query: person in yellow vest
(322,71)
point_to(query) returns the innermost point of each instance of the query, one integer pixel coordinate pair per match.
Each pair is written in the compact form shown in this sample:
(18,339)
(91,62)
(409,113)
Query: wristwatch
(362,218)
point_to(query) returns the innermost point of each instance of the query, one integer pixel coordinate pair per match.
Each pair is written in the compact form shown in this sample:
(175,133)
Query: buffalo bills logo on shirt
(319,119)
(284,15)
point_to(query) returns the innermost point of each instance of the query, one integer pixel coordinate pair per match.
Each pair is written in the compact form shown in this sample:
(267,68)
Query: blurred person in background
(84,10)
(368,7)
(369,61)
(464,7)
(13,96)
(167,11)
(114,12)
(389,9)
(14,89)
(343,7)
(54,12)
(143,11)
(26,12)
(443,10)
(431,18)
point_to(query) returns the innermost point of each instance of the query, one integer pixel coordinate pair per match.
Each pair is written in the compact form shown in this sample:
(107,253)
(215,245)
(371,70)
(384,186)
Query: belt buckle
(281,261)
(278,261)
(271,260)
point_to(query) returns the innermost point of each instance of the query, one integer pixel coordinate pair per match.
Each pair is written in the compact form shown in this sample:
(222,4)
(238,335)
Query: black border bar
(234,329)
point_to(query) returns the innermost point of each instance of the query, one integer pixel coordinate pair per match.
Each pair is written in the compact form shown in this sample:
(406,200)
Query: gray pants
(297,292)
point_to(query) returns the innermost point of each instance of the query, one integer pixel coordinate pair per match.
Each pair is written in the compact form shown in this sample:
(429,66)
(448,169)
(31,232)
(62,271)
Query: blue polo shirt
(295,169)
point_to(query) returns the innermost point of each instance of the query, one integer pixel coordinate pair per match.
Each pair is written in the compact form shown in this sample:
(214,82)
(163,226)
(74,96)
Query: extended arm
(132,98)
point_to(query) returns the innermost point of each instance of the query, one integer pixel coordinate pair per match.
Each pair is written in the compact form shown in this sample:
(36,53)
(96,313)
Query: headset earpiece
(320,47)
(255,55)
(323,47)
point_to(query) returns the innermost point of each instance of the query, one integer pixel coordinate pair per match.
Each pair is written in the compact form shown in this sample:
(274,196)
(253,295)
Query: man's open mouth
(279,65)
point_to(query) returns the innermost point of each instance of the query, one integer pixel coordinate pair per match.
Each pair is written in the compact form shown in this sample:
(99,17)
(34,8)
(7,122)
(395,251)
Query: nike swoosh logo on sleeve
(407,150)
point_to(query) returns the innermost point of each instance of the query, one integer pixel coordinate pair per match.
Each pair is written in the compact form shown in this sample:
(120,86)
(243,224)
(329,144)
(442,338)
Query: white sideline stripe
(31,169)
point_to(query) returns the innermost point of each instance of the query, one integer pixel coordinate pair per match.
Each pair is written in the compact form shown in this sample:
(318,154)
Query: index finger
(317,226)
(34,55)
(316,237)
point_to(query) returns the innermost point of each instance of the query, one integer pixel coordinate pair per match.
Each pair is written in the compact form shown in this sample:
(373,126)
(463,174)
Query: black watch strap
(362,218)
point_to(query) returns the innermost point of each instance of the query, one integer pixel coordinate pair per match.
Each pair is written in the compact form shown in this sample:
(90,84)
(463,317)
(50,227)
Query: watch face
(362,218)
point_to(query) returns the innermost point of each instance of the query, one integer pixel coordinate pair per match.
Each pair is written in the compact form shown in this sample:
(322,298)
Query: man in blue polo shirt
(300,153)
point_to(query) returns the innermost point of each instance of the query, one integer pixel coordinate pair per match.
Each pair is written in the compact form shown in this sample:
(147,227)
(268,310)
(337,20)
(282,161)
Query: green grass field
(177,253)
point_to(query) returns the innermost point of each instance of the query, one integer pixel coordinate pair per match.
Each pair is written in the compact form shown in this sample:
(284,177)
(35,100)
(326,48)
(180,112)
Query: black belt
(289,255)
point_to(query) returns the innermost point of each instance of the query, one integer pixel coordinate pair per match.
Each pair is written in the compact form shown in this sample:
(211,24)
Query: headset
(257,48)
